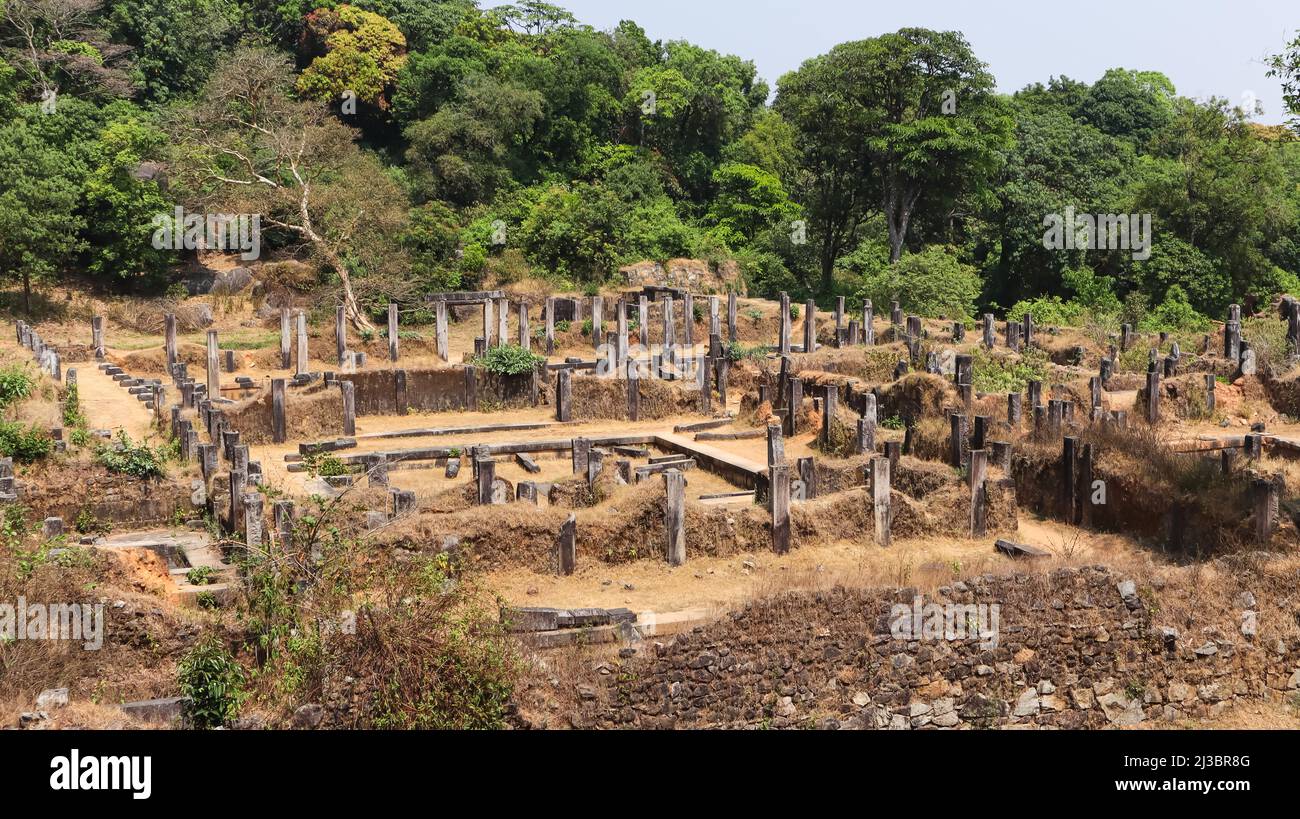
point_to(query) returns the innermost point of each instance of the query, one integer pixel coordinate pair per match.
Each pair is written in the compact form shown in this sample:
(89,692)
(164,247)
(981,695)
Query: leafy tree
(749,200)
(1134,105)
(175,44)
(353,51)
(902,121)
(248,147)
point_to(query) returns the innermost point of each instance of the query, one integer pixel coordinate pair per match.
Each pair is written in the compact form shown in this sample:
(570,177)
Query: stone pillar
(525,339)
(783,337)
(440,331)
(567,558)
(471,388)
(488,324)
(775,445)
(564,395)
(1232,340)
(302,344)
(278,434)
(978,492)
(1068,489)
(597,321)
(793,404)
(643,321)
(348,391)
(895,314)
(214,373)
(688,319)
(1094,390)
(868,323)
(581,448)
(731,316)
(675,516)
(286,337)
(1013,408)
(1253,446)
(633,391)
(880,468)
(97,336)
(779,492)
(807,469)
(235,517)
(980,433)
(830,400)
(715,318)
(550,325)
(394,334)
(340,332)
(169,339)
(1210,383)
(620,339)
(867,426)
(988,331)
(1153,398)
(1083,507)
(503,321)
(810,326)
(705,378)
(1028,324)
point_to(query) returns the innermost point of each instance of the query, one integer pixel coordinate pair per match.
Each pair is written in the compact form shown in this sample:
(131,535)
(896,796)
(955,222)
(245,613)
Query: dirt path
(108,406)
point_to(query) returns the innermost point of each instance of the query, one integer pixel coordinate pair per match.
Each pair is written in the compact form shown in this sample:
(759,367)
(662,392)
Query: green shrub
(509,359)
(1175,313)
(199,576)
(930,283)
(213,681)
(16,384)
(1049,311)
(24,444)
(129,458)
(997,376)
(323,465)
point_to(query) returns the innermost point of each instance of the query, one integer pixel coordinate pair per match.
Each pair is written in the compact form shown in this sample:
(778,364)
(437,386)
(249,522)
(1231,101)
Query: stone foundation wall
(1076,648)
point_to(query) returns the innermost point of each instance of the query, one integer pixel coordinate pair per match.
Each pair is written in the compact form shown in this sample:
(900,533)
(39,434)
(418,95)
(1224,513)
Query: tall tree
(901,121)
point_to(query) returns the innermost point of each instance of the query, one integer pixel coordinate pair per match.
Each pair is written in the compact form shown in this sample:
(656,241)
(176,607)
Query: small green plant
(737,351)
(509,359)
(586,327)
(563,326)
(794,311)
(199,576)
(754,314)
(893,422)
(213,681)
(176,291)
(697,312)
(72,415)
(87,523)
(323,465)
(126,457)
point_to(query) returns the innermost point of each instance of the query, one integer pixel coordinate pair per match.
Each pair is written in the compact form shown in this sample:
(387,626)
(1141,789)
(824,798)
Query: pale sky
(1206,48)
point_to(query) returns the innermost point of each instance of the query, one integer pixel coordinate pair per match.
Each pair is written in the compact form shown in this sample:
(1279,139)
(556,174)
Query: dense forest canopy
(409,146)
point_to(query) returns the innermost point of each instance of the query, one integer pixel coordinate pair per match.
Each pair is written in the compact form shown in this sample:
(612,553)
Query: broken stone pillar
(978,492)
(1247,365)
(595,457)
(1035,393)
(988,331)
(214,375)
(377,470)
(394,334)
(471,389)
(302,344)
(278,434)
(868,323)
(564,395)
(675,516)
(488,324)
(866,438)
(855,333)
(253,520)
(208,460)
(1002,454)
(980,432)
(957,440)
(403,501)
(807,469)
(525,339)
(486,471)
(775,445)
(1210,383)
(1014,411)
(1265,493)
(880,469)
(581,449)
(1055,417)
(1232,340)
(440,330)
(895,314)
(1094,390)
(567,548)
(620,338)
(597,321)
(348,391)
(964,374)
(526,491)
(779,492)
(1253,446)
(52,527)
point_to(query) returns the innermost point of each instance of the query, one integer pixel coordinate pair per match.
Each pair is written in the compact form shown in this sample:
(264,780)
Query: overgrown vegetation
(213,680)
(126,457)
(509,359)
